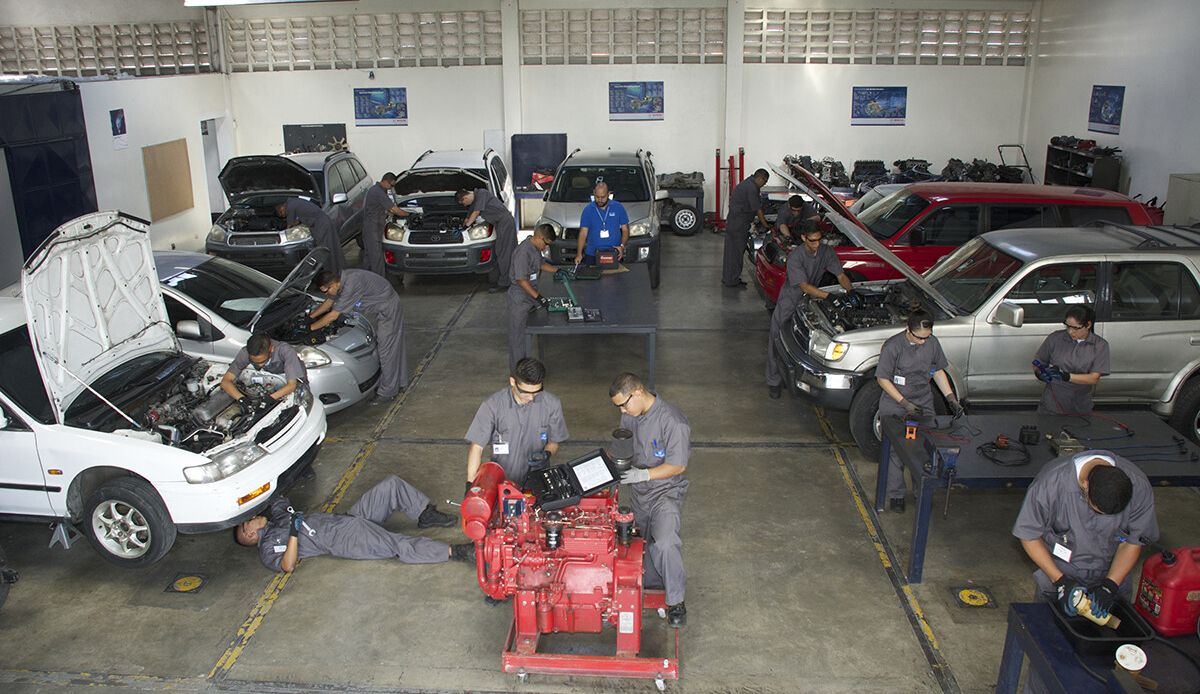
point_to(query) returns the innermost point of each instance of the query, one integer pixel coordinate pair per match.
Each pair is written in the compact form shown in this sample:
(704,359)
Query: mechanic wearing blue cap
(1083,523)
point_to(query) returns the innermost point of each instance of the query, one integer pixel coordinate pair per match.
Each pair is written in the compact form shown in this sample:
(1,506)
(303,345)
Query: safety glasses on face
(525,395)
(917,339)
(812,240)
(1074,328)
(622,405)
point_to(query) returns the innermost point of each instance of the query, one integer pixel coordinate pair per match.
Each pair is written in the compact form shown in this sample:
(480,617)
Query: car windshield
(232,291)
(575,183)
(969,275)
(890,214)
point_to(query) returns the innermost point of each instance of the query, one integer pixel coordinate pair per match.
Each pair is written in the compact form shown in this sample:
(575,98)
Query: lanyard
(607,212)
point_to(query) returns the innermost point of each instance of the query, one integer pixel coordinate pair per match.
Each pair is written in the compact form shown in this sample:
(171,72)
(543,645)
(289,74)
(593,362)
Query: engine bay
(244,217)
(296,331)
(878,306)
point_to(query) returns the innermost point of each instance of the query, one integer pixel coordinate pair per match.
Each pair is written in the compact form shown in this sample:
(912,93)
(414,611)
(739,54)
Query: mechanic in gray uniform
(806,264)
(1073,360)
(265,354)
(523,295)
(661,447)
(795,217)
(745,202)
(517,422)
(286,536)
(1083,523)
(906,363)
(492,209)
(376,207)
(301,211)
(365,292)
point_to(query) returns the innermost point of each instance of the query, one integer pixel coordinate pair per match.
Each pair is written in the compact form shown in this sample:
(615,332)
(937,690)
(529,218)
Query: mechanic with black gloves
(517,422)
(523,295)
(264,354)
(287,535)
(1083,523)
(745,203)
(302,211)
(483,204)
(1072,361)
(662,445)
(795,217)
(806,264)
(907,361)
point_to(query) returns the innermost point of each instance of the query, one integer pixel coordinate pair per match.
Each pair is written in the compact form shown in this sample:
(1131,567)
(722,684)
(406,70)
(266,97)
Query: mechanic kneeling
(267,355)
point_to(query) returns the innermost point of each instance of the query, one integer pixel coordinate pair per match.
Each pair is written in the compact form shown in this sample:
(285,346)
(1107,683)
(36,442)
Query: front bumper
(805,377)
(276,260)
(640,249)
(438,259)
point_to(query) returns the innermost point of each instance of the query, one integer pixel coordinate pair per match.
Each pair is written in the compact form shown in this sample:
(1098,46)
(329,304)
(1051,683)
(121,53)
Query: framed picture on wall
(318,137)
(1104,113)
(381,106)
(878,105)
(635,100)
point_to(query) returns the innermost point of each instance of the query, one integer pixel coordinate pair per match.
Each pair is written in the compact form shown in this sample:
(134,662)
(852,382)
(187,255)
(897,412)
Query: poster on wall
(1104,115)
(381,106)
(120,135)
(319,137)
(635,100)
(878,105)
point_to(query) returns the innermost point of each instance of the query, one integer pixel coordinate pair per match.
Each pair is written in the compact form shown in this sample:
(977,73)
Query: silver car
(215,304)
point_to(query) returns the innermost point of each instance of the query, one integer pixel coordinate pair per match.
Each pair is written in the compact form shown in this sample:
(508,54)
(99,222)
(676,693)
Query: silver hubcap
(685,219)
(122,529)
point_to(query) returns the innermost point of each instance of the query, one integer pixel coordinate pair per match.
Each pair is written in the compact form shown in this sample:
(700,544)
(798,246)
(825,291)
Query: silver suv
(996,298)
(631,180)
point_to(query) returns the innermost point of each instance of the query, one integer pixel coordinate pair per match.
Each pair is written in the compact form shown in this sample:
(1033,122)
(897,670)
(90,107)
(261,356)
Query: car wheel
(864,419)
(653,263)
(126,522)
(7,578)
(685,221)
(1186,417)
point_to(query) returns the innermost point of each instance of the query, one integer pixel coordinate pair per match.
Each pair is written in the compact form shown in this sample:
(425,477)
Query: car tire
(127,523)
(4,583)
(654,263)
(864,419)
(1186,416)
(685,220)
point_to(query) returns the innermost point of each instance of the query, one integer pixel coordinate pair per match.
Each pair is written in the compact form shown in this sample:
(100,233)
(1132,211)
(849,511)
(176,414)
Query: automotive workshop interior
(558,346)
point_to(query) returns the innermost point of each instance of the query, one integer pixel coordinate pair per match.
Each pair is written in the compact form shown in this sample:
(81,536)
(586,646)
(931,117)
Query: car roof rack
(1148,240)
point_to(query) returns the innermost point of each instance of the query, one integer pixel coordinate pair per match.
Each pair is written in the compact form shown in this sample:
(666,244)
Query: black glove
(543,302)
(854,299)
(1102,595)
(246,402)
(956,407)
(297,523)
(1054,372)
(1063,588)
(911,409)
(467,489)
(564,274)
(1044,375)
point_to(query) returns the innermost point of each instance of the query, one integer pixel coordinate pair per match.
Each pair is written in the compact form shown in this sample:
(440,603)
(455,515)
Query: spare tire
(685,221)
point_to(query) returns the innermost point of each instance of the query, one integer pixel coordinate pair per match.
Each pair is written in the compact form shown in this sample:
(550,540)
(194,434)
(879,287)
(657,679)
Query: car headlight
(639,228)
(479,232)
(300,233)
(217,233)
(313,357)
(394,232)
(830,349)
(225,464)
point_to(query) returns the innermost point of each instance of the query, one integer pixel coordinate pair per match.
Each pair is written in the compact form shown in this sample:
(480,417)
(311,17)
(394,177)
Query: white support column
(510,26)
(735,25)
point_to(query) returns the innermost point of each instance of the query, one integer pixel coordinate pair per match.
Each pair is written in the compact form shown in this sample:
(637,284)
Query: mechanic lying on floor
(286,535)
(264,354)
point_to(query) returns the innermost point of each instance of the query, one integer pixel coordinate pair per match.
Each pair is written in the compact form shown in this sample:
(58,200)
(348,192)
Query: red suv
(922,222)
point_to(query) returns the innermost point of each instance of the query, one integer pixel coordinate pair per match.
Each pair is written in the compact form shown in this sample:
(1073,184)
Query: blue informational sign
(635,100)
(878,105)
(1104,115)
(381,106)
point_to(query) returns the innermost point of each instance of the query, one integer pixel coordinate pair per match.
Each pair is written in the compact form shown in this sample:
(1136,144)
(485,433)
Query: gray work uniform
(514,431)
(301,211)
(1072,356)
(371,294)
(526,265)
(909,367)
(493,211)
(374,215)
(661,435)
(802,268)
(283,361)
(358,534)
(744,202)
(1056,512)
(795,223)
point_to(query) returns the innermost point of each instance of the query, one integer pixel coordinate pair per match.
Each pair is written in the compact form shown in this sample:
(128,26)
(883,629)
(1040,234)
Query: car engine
(296,331)
(878,307)
(242,218)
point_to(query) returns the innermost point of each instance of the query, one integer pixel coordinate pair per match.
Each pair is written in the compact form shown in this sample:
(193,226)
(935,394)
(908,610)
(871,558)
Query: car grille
(800,331)
(254,239)
(571,233)
(434,237)
(370,382)
(437,260)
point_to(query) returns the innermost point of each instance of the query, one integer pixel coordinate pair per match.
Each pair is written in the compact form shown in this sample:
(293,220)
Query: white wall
(157,109)
(1151,49)
(448,108)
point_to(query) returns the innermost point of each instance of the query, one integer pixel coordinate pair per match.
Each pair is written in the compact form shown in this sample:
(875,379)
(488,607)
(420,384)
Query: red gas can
(1169,593)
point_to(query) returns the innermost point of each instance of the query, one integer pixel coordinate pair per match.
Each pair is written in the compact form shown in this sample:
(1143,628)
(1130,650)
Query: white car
(106,424)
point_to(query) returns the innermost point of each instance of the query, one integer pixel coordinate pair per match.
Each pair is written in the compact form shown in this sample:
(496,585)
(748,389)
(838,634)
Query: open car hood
(299,279)
(848,224)
(439,180)
(243,176)
(92,301)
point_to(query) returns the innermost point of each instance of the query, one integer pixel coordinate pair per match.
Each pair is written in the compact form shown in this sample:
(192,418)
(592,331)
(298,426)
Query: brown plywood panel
(168,178)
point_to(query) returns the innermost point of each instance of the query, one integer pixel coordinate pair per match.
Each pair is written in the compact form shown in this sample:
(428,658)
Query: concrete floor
(790,585)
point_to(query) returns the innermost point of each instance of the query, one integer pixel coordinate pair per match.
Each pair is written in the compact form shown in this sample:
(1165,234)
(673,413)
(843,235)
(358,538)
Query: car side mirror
(916,236)
(339,198)
(662,195)
(1010,314)
(189,330)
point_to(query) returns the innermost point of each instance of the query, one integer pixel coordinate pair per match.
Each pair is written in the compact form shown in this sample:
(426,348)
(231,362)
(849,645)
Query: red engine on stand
(574,569)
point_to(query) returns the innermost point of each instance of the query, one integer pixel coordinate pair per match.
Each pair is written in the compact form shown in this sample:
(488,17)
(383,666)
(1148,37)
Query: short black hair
(1109,488)
(545,231)
(389,176)
(625,383)
(462,193)
(325,278)
(530,371)
(796,202)
(1082,313)
(258,345)
(920,319)
(762,173)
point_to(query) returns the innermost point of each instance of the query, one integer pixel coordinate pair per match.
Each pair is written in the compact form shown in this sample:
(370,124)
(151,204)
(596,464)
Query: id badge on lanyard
(604,233)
